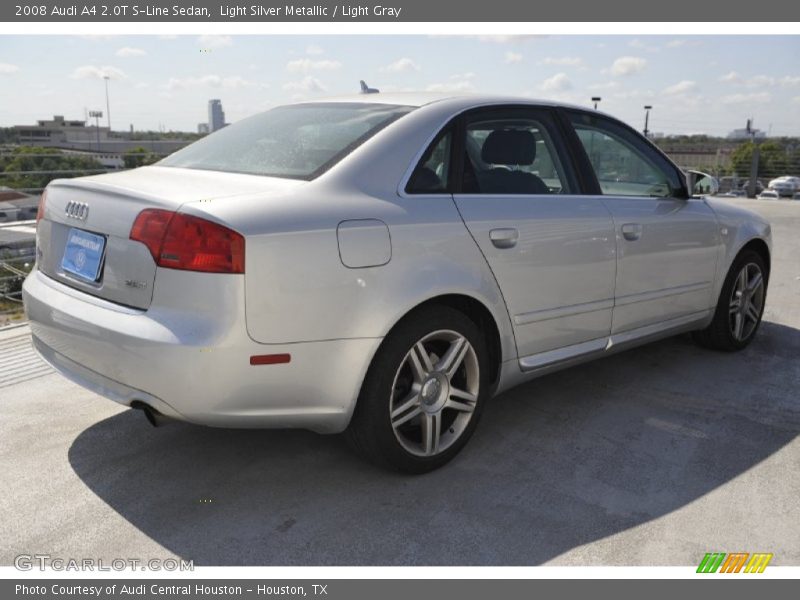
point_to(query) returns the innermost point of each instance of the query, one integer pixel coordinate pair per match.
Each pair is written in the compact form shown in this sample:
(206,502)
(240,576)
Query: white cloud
(314,50)
(8,68)
(607,85)
(214,41)
(401,65)
(788,81)
(682,87)
(306,84)
(304,65)
(507,39)
(557,83)
(796,99)
(731,77)
(753,98)
(215,81)
(563,61)
(93,72)
(683,43)
(760,81)
(457,83)
(628,65)
(128,52)
(640,45)
(512,57)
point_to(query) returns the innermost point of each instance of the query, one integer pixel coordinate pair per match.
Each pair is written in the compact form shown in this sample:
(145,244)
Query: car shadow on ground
(559,462)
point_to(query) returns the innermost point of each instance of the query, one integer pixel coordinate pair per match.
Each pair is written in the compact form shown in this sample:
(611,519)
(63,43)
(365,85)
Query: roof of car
(419,99)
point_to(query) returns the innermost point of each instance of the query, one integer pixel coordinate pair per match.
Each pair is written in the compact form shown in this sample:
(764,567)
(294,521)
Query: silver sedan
(382,265)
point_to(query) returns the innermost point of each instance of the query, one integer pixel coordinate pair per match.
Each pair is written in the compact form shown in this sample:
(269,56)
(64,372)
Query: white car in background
(383,265)
(786,185)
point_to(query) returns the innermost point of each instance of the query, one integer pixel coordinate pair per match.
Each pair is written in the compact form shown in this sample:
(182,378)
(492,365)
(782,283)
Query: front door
(667,244)
(551,249)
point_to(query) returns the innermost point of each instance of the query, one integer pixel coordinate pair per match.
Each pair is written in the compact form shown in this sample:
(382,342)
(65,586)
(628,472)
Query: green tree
(138,157)
(773,159)
(33,167)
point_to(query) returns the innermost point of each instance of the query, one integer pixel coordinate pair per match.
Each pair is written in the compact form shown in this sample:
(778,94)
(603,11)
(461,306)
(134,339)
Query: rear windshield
(300,141)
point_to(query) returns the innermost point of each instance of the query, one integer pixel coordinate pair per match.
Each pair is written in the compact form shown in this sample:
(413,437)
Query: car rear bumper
(194,364)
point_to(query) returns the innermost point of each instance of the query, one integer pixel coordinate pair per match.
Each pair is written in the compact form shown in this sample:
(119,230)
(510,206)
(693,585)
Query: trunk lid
(90,219)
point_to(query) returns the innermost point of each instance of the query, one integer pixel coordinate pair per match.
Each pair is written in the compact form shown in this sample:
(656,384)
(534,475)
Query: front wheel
(423,393)
(740,306)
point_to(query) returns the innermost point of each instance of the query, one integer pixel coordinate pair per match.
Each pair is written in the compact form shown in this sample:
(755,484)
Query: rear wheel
(740,306)
(424,392)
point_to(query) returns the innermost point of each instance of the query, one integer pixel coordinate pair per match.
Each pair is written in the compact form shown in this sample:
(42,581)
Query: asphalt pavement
(654,456)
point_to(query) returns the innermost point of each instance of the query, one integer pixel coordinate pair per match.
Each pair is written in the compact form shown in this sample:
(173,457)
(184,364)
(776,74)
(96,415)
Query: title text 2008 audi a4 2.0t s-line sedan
(383,265)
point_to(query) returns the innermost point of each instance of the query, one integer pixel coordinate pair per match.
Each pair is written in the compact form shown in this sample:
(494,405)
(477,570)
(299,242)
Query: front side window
(622,166)
(299,141)
(511,155)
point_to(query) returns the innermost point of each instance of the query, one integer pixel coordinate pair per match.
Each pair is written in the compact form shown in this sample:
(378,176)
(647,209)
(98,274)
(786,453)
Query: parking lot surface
(654,456)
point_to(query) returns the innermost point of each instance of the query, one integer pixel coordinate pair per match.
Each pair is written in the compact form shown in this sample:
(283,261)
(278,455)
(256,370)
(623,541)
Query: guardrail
(13,270)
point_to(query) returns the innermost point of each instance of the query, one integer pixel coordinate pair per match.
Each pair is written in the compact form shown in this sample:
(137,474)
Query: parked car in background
(796,196)
(383,265)
(785,185)
(745,187)
(768,195)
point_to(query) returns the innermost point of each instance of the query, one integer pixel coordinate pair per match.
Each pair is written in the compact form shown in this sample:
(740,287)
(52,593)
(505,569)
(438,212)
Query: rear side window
(299,141)
(624,164)
(433,171)
(511,155)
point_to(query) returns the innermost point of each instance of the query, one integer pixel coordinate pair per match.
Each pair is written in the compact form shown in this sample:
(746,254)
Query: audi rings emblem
(77,210)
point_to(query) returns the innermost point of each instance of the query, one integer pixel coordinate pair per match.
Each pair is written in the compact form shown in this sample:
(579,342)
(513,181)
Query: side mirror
(701,184)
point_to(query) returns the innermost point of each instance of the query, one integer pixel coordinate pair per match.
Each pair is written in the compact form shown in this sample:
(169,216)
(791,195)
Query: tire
(736,321)
(405,401)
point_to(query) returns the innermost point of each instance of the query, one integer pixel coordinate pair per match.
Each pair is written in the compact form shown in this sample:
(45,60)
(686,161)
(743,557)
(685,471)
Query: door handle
(631,231)
(504,238)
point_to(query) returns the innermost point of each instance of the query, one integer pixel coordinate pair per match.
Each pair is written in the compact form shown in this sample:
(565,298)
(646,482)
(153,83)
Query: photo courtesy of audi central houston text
(404,265)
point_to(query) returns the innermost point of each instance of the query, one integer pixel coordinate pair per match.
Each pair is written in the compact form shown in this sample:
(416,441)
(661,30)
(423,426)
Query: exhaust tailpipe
(155,418)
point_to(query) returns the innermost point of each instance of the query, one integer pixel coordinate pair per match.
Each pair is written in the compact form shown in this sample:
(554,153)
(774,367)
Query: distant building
(76,135)
(216,116)
(202,128)
(704,157)
(743,134)
(58,129)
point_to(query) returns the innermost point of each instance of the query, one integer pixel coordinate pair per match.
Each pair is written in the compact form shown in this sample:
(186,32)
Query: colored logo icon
(737,562)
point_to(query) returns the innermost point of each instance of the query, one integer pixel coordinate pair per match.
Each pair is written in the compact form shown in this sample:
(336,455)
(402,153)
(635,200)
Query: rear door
(550,248)
(667,243)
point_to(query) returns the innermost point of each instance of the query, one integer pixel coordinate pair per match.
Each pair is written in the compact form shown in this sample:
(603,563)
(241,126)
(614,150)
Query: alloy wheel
(434,393)
(746,302)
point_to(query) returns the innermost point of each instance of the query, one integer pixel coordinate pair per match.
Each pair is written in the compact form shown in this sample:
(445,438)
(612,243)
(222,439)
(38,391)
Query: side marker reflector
(270,359)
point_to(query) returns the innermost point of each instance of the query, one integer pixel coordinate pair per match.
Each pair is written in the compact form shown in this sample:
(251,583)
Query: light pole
(108,106)
(596,100)
(96,114)
(647,109)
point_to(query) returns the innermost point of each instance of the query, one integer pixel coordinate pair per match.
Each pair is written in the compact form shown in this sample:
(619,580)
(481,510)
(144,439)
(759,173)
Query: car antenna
(365,89)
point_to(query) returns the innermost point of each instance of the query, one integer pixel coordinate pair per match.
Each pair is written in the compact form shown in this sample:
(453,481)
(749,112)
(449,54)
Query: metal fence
(13,270)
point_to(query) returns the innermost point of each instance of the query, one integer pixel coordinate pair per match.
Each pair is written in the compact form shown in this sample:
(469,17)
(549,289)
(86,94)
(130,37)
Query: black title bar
(415,11)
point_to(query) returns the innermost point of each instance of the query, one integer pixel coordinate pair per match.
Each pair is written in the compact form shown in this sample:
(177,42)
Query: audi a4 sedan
(382,265)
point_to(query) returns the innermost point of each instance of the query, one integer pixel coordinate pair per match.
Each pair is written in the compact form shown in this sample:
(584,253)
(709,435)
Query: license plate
(83,254)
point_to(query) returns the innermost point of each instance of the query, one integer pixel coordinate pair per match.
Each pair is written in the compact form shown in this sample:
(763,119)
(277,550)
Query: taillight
(40,209)
(189,243)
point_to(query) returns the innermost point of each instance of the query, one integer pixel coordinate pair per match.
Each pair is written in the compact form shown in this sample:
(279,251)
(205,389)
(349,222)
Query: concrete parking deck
(651,457)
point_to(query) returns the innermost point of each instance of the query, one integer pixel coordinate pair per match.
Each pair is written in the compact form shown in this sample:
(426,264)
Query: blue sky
(697,84)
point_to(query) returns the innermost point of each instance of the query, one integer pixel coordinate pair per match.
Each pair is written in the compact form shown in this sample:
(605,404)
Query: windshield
(300,141)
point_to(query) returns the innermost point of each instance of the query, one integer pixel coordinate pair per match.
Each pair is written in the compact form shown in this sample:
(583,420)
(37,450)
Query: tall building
(216,116)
